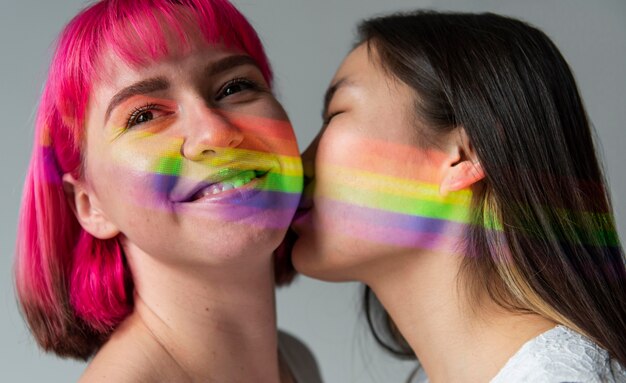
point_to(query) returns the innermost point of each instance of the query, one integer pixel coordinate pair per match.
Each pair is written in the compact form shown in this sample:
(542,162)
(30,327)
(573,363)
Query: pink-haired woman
(163,176)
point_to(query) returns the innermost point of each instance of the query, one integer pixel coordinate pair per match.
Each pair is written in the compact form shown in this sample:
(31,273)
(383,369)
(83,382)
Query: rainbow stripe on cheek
(408,213)
(277,192)
(383,193)
(395,195)
(391,210)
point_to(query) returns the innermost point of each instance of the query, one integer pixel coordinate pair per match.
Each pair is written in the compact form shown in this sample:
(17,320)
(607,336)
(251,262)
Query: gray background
(305,40)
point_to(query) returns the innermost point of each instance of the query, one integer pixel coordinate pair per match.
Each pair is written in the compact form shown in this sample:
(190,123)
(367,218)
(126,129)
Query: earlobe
(460,176)
(83,204)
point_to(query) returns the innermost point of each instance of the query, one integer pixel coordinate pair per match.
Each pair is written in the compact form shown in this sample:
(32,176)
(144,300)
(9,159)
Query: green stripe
(604,233)
(282,183)
(170,166)
(402,205)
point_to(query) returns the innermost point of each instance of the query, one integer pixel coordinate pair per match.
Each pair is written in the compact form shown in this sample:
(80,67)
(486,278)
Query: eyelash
(131,122)
(237,81)
(327,119)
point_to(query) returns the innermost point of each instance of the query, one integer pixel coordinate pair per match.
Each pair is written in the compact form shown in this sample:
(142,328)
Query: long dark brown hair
(544,239)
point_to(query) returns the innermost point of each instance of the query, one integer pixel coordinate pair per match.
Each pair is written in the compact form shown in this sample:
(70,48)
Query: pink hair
(74,289)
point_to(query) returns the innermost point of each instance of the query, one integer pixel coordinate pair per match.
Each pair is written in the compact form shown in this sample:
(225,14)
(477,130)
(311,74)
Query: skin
(204,284)
(371,124)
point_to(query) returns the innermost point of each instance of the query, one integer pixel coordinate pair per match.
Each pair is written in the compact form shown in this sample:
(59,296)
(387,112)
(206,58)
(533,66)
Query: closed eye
(329,117)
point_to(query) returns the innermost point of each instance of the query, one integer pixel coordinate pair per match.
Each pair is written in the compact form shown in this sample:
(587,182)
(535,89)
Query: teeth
(213,189)
(227,186)
(238,181)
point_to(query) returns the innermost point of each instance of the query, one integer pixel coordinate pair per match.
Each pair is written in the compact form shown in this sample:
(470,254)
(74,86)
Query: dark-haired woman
(455,176)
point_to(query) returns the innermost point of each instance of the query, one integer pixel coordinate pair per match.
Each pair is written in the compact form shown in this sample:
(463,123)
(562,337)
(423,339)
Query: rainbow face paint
(381,193)
(259,182)
(236,184)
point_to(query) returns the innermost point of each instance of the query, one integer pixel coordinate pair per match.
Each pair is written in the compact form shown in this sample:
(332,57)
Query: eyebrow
(141,87)
(330,92)
(229,63)
(161,83)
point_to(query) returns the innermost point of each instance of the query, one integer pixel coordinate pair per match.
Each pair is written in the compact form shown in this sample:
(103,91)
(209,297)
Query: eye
(236,86)
(329,117)
(141,115)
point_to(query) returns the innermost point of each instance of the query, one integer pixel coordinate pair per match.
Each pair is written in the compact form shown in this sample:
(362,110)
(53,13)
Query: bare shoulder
(128,359)
(299,357)
(105,370)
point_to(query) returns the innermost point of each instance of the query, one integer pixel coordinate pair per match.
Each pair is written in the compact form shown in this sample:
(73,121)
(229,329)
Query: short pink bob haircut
(75,289)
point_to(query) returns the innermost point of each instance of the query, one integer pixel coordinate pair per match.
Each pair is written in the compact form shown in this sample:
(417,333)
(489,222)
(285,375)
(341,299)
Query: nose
(207,130)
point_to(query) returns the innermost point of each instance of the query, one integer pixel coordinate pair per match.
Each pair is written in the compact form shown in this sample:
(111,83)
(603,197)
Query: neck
(454,339)
(213,324)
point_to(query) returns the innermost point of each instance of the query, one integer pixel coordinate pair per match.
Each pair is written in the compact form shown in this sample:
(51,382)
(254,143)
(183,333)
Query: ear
(85,204)
(464,169)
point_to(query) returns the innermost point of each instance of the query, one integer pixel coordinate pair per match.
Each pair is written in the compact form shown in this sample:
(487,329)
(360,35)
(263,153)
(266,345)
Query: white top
(559,355)
(298,358)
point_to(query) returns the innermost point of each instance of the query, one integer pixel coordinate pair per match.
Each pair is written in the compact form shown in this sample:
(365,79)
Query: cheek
(372,154)
(270,135)
(129,197)
(274,140)
(364,171)
(328,232)
(135,174)
(377,193)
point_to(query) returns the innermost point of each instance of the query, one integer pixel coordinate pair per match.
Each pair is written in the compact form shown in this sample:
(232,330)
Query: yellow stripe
(395,186)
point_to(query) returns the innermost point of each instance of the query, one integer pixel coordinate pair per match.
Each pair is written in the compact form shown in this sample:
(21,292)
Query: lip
(300,213)
(225,175)
(304,209)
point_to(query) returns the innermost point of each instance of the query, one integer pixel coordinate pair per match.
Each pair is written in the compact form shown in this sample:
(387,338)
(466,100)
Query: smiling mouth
(238,180)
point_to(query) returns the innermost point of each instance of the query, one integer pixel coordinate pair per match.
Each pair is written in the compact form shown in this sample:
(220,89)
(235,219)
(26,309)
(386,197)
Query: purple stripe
(51,172)
(379,226)
(269,199)
(383,218)
(265,208)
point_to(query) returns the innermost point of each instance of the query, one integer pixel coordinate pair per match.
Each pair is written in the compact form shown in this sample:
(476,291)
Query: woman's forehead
(207,58)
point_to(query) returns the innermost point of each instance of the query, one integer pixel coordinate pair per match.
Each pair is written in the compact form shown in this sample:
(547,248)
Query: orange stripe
(380,157)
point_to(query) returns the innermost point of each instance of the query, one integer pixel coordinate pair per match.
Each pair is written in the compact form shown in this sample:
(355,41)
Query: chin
(256,241)
(234,244)
(314,262)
